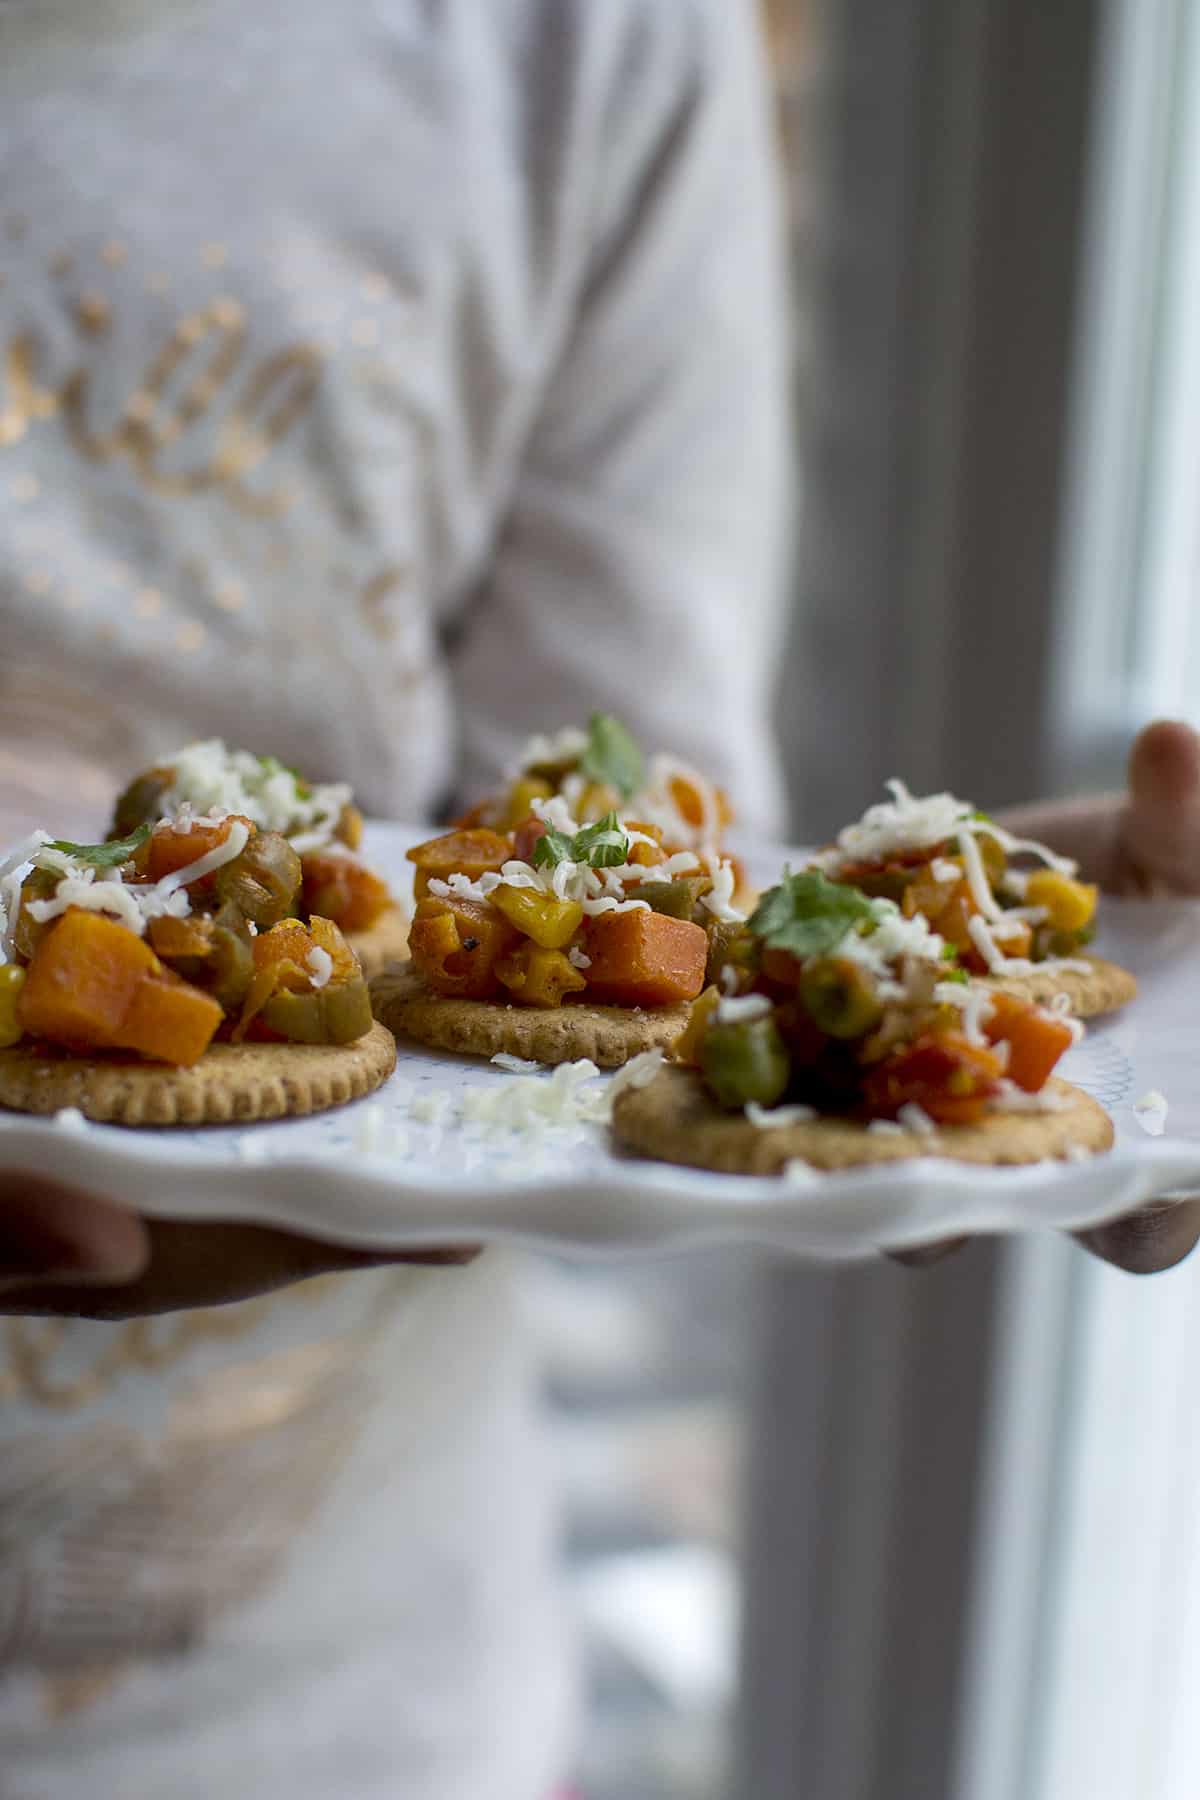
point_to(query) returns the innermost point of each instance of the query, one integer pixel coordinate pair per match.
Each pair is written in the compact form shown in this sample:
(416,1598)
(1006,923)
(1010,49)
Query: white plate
(568,1190)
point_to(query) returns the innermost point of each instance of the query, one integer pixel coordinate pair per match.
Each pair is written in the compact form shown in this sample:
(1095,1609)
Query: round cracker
(674,1119)
(231,1084)
(607,1035)
(383,942)
(1099,988)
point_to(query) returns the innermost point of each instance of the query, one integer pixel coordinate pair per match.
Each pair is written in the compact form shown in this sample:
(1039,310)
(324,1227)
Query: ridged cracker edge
(232,1084)
(674,1119)
(608,1035)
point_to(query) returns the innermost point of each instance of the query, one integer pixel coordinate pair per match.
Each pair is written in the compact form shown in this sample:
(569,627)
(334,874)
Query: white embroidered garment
(378,382)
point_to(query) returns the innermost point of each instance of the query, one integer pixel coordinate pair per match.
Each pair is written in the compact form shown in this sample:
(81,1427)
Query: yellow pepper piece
(12,980)
(521,796)
(686,1048)
(537,977)
(1070,905)
(549,922)
(596,799)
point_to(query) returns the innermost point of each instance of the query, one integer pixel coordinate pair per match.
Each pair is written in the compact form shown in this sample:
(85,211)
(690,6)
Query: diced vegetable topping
(600,846)
(645,958)
(942,860)
(611,757)
(148,944)
(833,998)
(621,917)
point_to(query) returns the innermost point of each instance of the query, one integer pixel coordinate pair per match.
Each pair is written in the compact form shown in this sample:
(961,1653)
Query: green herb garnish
(601,846)
(103,856)
(957,974)
(271,765)
(809,915)
(611,756)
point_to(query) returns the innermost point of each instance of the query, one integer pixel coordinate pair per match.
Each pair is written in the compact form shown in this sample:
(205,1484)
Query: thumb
(1160,830)
(51,1233)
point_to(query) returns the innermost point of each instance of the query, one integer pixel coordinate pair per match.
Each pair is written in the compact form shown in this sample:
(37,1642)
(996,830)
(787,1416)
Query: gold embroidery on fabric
(28,400)
(374,596)
(144,1345)
(173,398)
(116,1546)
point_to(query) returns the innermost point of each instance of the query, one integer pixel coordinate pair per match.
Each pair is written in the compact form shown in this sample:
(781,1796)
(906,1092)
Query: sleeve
(641,561)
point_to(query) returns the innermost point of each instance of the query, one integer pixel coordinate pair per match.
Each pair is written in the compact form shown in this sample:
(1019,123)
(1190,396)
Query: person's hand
(74,1254)
(1143,842)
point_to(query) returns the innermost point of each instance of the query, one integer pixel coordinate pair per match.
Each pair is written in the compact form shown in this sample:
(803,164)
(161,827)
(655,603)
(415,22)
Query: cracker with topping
(165,978)
(1015,912)
(675,1119)
(209,781)
(557,939)
(840,1031)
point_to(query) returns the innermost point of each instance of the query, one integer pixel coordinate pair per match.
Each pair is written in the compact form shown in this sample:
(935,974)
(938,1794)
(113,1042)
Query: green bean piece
(263,881)
(729,945)
(39,884)
(335,1014)
(228,968)
(743,1062)
(839,996)
(675,899)
(140,804)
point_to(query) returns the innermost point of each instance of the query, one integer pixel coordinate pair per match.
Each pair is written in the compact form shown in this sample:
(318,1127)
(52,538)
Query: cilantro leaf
(271,765)
(552,848)
(957,974)
(104,856)
(809,915)
(611,756)
(601,846)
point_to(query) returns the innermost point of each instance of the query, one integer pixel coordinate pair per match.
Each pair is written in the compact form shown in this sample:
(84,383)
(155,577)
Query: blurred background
(877,1535)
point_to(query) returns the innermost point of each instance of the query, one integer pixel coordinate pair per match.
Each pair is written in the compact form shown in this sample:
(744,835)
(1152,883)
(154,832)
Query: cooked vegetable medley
(602,770)
(840,1000)
(308,833)
(940,859)
(552,911)
(182,932)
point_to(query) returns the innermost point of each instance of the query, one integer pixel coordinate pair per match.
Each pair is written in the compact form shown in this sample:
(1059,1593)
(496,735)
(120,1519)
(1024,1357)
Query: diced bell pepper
(455,945)
(686,1048)
(549,922)
(12,980)
(1070,905)
(537,977)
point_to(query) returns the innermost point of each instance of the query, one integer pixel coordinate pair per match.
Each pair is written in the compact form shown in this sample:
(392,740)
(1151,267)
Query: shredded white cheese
(321,964)
(1012,1098)
(597,891)
(638,1072)
(131,904)
(739,1009)
(884,1128)
(213,780)
(550,750)
(914,1118)
(768,1118)
(907,822)
(578,959)
(1150,1111)
(69,1118)
(515,1065)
